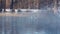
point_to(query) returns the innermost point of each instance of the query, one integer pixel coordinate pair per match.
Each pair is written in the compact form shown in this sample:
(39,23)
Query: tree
(0,5)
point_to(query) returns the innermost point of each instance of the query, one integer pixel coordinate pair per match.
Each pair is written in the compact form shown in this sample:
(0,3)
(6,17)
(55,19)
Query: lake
(35,23)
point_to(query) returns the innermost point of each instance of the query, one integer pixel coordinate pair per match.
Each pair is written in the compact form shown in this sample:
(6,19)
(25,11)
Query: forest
(27,4)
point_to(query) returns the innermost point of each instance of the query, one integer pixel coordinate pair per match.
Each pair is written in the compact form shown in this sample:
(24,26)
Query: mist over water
(41,22)
(44,22)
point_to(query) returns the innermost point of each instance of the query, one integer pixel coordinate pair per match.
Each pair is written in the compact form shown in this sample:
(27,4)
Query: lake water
(37,23)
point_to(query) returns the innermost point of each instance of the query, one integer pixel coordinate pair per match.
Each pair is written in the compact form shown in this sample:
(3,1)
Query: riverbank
(16,14)
(11,14)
